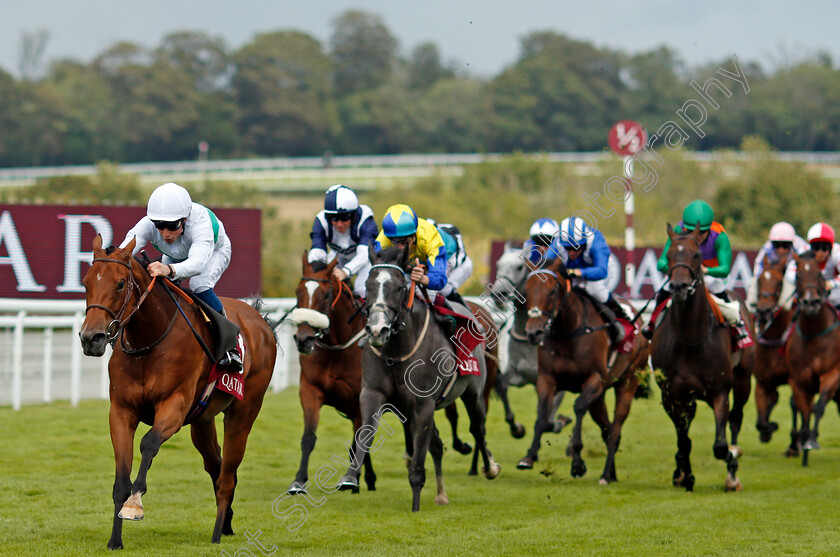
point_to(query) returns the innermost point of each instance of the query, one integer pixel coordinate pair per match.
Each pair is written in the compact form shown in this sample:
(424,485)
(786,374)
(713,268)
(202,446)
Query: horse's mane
(318,266)
(808,255)
(110,249)
(390,255)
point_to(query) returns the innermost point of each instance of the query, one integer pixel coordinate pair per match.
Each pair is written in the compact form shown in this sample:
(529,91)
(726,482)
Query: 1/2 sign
(627,138)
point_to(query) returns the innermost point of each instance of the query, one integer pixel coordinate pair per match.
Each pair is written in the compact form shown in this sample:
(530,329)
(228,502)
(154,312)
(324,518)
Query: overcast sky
(483,35)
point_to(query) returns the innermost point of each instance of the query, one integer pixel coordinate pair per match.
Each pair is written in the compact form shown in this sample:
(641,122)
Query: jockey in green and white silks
(344,230)
(193,243)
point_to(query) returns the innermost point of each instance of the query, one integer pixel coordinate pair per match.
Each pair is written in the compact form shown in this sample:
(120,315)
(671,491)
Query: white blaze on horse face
(382,279)
(680,248)
(311,286)
(807,267)
(766,275)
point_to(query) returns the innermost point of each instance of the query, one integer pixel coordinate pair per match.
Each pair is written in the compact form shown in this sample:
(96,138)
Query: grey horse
(409,368)
(521,367)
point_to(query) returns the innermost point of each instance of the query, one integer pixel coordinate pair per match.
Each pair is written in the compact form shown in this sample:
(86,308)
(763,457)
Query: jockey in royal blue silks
(588,264)
(344,230)
(543,245)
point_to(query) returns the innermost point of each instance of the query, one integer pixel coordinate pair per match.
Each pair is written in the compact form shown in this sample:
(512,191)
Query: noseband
(535,312)
(115,326)
(402,305)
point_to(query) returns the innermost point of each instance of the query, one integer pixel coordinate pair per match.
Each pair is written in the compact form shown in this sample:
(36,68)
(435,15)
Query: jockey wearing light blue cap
(588,262)
(401,227)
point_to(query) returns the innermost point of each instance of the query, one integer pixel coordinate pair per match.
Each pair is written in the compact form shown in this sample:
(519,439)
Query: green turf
(56,473)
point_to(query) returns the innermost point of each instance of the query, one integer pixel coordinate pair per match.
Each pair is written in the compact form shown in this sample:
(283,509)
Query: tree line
(286,94)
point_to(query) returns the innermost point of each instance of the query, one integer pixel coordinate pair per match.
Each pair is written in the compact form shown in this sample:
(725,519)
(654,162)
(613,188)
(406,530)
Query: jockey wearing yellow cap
(401,227)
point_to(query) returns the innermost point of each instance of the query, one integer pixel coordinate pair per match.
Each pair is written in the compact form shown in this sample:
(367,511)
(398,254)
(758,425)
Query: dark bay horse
(573,349)
(693,360)
(813,350)
(329,324)
(409,368)
(158,372)
(521,368)
(773,315)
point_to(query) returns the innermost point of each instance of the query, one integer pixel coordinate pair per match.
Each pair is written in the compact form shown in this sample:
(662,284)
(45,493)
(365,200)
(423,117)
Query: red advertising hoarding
(648,279)
(45,250)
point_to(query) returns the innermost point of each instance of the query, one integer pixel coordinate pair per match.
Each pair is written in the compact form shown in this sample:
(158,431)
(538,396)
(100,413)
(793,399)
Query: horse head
(511,271)
(769,283)
(546,291)
(110,286)
(684,263)
(810,284)
(387,294)
(316,293)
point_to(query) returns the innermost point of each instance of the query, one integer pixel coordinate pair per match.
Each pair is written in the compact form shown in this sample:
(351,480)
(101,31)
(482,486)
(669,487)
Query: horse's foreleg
(371,403)
(436,448)
(681,415)
(803,401)
(311,400)
(766,397)
(123,425)
(474,403)
(828,387)
(740,396)
(559,421)
(625,392)
(793,448)
(592,390)
(423,421)
(452,415)
(545,392)
(721,448)
(517,430)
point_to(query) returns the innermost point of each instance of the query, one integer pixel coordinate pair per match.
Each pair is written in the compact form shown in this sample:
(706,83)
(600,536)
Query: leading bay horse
(772,318)
(158,372)
(692,359)
(329,324)
(409,367)
(813,350)
(574,346)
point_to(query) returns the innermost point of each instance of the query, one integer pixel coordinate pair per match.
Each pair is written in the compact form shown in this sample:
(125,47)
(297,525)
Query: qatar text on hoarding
(45,250)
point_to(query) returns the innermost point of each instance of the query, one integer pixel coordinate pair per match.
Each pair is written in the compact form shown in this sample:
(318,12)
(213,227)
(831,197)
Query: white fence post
(76,361)
(17,362)
(48,348)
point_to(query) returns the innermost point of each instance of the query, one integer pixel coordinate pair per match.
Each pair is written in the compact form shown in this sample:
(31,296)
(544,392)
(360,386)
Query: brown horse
(773,316)
(573,349)
(813,350)
(158,372)
(491,359)
(694,357)
(329,324)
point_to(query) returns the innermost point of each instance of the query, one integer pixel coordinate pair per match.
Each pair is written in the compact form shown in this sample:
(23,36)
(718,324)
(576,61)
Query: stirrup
(231,360)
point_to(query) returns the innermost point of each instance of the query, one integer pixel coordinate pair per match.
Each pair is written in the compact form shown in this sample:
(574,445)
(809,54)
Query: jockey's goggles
(821,246)
(343,217)
(542,240)
(172,225)
(400,240)
(782,245)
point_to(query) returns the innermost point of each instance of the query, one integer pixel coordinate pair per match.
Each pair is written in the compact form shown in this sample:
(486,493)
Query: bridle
(332,300)
(402,305)
(118,323)
(557,304)
(696,275)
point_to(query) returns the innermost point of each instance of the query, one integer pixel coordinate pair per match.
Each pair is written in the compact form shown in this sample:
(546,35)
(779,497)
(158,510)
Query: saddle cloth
(468,335)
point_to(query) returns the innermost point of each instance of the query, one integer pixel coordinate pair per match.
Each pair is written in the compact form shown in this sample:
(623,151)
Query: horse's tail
(258,304)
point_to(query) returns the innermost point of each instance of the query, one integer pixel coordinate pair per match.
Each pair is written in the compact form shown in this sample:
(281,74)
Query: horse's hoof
(733,484)
(811,445)
(371,487)
(678,479)
(132,509)
(765,436)
(561,422)
(526,463)
(463,448)
(792,452)
(441,500)
(517,430)
(296,489)
(115,545)
(578,469)
(348,484)
(493,471)
(735,451)
(603,481)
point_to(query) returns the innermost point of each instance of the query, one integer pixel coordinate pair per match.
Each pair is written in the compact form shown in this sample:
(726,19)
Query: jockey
(401,227)
(827,253)
(588,264)
(781,244)
(459,266)
(716,252)
(543,246)
(193,243)
(346,229)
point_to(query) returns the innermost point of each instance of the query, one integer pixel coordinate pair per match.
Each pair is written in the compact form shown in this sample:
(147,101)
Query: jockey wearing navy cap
(588,264)
(344,230)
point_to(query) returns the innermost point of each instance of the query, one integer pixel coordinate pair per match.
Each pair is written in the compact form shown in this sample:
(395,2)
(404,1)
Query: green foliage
(768,191)
(108,187)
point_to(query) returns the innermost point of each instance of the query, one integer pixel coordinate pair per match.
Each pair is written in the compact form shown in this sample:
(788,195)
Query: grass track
(56,473)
